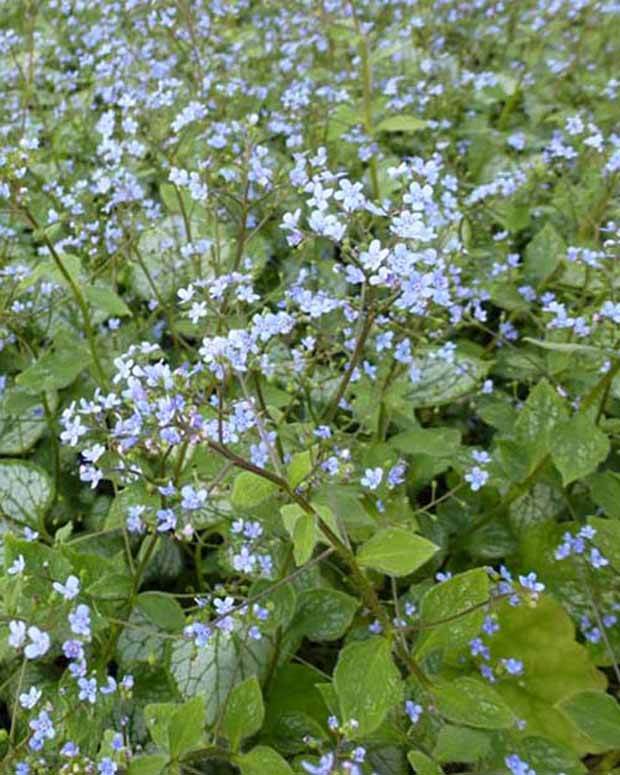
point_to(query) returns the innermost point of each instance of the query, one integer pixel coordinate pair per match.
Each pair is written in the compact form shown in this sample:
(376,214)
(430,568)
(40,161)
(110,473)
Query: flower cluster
(308,332)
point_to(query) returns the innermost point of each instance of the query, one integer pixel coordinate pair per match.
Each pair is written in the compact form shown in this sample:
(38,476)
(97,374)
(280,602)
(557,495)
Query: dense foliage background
(309,393)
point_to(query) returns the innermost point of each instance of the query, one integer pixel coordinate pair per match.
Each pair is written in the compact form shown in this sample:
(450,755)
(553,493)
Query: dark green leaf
(324,614)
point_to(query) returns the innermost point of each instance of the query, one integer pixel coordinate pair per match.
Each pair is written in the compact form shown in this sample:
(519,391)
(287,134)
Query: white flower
(17,568)
(186,294)
(197,311)
(70,589)
(29,699)
(17,634)
(93,454)
(40,643)
(372,478)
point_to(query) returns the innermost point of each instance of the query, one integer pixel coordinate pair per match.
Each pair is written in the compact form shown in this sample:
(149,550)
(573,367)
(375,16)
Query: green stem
(332,406)
(359,579)
(77,295)
(108,650)
(368,124)
(364,51)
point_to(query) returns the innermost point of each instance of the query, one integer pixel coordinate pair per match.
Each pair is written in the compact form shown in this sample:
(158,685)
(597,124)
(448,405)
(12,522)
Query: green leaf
(37,555)
(157,716)
(569,347)
(367,683)
(605,492)
(578,446)
(26,491)
(140,642)
(451,600)
(162,610)
(342,117)
(152,764)
(395,551)
(22,420)
(436,442)
(596,715)
(401,124)
(111,586)
(295,708)
(441,382)
(135,494)
(461,744)
(545,756)
(327,517)
(302,529)
(555,666)
(106,300)
(607,538)
(324,614)
(186,727)
(281,602)
(540,504)
(299,467)
(166,563)
(54,370)
(244,712)
(161,266)
(544,253)
(262,761)
(213,670)
(534,429)
(473,703)
(250,490)
(423,764)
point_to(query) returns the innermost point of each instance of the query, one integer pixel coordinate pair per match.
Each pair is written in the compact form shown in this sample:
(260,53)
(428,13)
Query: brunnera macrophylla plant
(309,387)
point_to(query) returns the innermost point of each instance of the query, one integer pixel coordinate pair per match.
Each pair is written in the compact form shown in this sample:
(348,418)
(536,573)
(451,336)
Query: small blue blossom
(88,690)
(513,666)
(478,648)
(413,710)
(517,766)
(490,625)
(39,643)
(79,620)
(70,589)
(324,766)
(477,478)
(486,671)
(372,478)
(70,750)
(107,767)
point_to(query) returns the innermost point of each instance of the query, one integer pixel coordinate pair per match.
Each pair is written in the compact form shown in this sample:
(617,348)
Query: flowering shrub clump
(309,387)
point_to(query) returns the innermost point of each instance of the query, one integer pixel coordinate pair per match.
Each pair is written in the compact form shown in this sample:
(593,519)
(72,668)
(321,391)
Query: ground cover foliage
(309,393)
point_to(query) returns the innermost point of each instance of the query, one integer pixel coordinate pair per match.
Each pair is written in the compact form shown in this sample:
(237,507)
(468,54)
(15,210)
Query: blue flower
(324,766)
(477,478)
(79,620)
(372,478)
(413,710)
(517,766)
(107,767)
(513,666)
